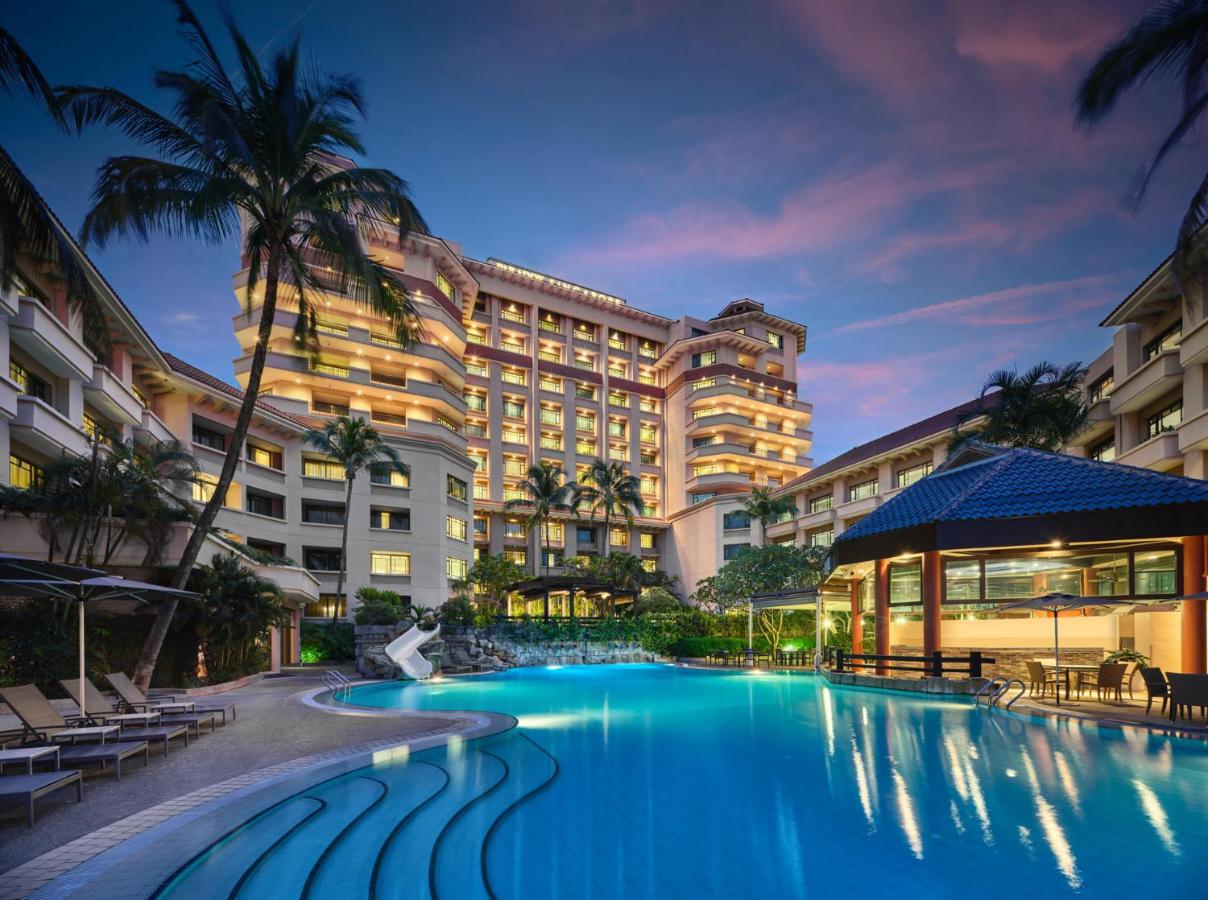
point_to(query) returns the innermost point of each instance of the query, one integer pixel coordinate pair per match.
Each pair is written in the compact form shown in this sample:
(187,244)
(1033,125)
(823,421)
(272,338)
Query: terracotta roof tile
(190,371)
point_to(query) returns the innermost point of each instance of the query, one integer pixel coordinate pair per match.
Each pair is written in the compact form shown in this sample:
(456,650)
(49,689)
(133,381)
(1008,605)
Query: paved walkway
(1129,712)
(272,727)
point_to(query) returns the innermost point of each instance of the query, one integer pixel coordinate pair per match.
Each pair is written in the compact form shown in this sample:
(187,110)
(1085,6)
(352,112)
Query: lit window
(706,358)
(776,340)
(517,555)
(863,491)
(618,537)
(262,456)
(322,468)
(822,538)
(389,476)
(446,287)
(555,533)
(388,562)
(1167,419)
(455,528)
(549,383)
(455,487)
(456,568)
(1104,451)
(911,474)
(203,487)
(512,377)
(821,504)
(31,385)
(476,402)
(513,408)
(390,519)
(24,474)
(1102,388)
(647,540)
(1167,340)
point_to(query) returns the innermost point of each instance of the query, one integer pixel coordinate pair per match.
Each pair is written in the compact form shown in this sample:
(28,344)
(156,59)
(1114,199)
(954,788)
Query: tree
(29,231)
(656,600)
(760,570)
(259,147)
(608,490)
(233,615)
(355,445)
(767,509)
(492,578)
(546,492)
(1043,408)
(1169,39)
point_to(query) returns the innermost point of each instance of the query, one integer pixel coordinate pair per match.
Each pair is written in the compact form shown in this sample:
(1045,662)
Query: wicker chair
(1040,678)
(1156,686)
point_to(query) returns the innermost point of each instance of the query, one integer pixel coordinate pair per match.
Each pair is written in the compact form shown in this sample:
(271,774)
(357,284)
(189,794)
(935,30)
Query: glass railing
(552,327)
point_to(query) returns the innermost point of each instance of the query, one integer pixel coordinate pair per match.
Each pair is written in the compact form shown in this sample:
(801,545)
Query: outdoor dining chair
(1187,692)
(1109,679)
(1156,686)
(1040,678)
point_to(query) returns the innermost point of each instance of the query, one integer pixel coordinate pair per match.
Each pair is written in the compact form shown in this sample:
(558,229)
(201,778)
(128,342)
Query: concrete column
(857,619)
(933,592)
(881,622)
(1194,624)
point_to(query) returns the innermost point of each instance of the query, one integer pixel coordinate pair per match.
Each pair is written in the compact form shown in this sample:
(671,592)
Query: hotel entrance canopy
(986,496)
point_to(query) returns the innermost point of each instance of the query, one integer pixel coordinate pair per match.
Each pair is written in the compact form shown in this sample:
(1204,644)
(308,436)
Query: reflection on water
(682,783)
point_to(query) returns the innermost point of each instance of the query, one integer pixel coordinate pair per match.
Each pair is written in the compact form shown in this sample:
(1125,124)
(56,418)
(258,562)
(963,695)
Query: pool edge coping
(64,870)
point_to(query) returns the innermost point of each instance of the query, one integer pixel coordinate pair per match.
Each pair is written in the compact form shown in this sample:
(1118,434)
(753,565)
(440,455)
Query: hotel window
(863,491)
(776,340)
(455,488)
(551,415)
(322,468)
(31,385)
(585,391)
(481,528)
(547,354)
(648,350)
(389,562)
(649,485)
(650,565)
(389,476)
(513,529)
(821,538)
(647,540)
(585,448)
(822,504)
(585,535)
(328,366)
(618,398)
(549,558)
(480,462)
(648,433)
(1102,387)
(1167,340)
(513,409)
(514,465)
(322,514)
(1101,575)
(616,428)
(514,493)
(616,340)
(514,435)
(321,559)
(516,555)
(549,322)
(95,430)
(262,456)
(455,528)
(476,402)
(551,441)
(511,376)
(906,584)
(556,533)
(512,313)
(648,378)
(444,422)
(511,344)
(618,537)
(24,474)
(585,423)
(647,405)
(908,476)
(203,487)
(733,521)
(730,551)
(385,340)
(476,430)
(329,408)
(962,581)
(706,469)
(1104,451)
(1167,419)
(618,370)
(1155,572)
(702,497)
(549,383)
(586,363)
(706,358)
(390,519)
(482,491)
(476,368)
(261,503)
(328,606)
(649,458)
(207,437)
(585,332)
(446,287)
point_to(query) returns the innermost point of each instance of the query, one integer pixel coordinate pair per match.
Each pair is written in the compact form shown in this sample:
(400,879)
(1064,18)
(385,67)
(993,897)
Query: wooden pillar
(857,620)
(1194,623)
(933,592)
(881,620)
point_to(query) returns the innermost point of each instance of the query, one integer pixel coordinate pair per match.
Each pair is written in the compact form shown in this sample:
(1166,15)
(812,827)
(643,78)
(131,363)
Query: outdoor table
(1079,668)
(28,755)
(90,733)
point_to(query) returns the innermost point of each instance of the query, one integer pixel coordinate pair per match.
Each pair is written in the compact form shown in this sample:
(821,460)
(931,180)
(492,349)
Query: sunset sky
(905,178)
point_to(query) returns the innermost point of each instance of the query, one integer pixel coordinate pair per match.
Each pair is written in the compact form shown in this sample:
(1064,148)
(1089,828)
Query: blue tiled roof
(1015,483)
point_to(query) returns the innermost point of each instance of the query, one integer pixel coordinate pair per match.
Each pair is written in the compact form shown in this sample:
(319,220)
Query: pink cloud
(1044,36)
(980,234)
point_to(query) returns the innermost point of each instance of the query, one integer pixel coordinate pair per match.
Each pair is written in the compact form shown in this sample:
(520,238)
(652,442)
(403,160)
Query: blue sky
(906,178)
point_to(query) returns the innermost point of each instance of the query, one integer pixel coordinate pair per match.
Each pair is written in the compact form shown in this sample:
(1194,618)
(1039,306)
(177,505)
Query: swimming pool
(657,781)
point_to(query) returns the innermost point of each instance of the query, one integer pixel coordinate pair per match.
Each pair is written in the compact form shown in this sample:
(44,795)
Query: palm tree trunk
(607,531)
(335,608)
(167,609)
(545,562)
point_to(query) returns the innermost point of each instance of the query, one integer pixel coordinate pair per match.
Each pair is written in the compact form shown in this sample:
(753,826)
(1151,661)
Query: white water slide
(404,652)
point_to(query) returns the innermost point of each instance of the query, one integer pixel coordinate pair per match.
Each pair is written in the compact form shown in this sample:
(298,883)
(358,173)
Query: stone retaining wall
(1011,663)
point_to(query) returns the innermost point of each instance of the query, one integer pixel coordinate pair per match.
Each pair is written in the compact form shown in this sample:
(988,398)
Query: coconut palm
(355,445)
(254,152)
(546,492)
(608,490)
(767,508)
(1042,408)
(29,231)
(1170,39)
(232,616)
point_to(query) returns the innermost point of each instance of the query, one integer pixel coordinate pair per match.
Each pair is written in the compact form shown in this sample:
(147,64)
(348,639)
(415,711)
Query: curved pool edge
(72,868)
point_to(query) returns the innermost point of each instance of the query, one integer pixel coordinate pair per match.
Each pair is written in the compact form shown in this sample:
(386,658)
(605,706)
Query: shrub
(698,647)
(458,610)
(327,642)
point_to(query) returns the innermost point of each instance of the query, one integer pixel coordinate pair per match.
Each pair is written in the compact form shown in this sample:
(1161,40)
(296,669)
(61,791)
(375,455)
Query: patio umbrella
(22,577)
(1057,602)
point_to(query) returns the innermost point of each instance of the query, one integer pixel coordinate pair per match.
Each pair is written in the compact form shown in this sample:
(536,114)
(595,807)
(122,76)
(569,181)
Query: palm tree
(29,231)
(1169,39)
(1042,408)
(355,445)
(232,616)
(256,147)
(767,508)
(546,492)
(612,492)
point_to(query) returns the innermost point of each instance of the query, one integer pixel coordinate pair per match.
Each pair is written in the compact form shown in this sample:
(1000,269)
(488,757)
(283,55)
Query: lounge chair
(100,710)
(135,699)
(105,711)
(29,788)
(1040,678)
(40,721)
(105,754)
(1156,685)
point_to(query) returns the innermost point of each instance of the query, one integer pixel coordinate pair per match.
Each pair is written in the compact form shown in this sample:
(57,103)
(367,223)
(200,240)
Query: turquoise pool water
(654,781)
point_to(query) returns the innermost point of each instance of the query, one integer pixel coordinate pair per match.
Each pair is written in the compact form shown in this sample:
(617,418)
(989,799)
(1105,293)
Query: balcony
(151,429)
(853,508)
(8,398)
(1193,433)
(108,394)
(47,430)
(1099,421)
(36,331)
(1193,346)
(819,519)
(1160,452)
(1158,377)
(715,479)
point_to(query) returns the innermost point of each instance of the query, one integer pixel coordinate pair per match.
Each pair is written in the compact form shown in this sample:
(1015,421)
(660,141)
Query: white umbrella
(1057,602)
(24,577)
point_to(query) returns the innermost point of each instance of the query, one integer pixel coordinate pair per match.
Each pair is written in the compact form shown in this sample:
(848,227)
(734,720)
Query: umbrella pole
(1056,660)
(80,618)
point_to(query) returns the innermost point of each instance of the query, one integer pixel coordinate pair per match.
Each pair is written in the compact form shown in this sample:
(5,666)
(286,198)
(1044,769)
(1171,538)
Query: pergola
(986,499)
(574,589)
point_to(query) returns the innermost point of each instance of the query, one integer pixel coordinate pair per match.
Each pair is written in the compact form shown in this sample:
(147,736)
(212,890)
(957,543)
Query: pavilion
(567,596)
(996,524)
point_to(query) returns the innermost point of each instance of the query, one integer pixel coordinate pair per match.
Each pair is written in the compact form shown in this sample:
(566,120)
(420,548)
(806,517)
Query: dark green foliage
(379,607)
(700,647)
(459,610)
(327,642)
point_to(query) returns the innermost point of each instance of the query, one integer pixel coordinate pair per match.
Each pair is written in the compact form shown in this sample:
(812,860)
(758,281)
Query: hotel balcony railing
(389,418)
(553,385)
(512,377)
(514,437)
(586,365)
(481,492)
(615,372)
(551,327)
(512,316)
(617,431)
(476,369)
(513,494)
(550,417)
(648,436)
(550,356)
(475,431)
(585,448)
(322,368)
(392,380)
(585,393)
(512,347)
(330,326)
(616,344)
(551,443)
(515,468)
(385,340)
(648,379)
(584,335)
(648,352)
(582,424)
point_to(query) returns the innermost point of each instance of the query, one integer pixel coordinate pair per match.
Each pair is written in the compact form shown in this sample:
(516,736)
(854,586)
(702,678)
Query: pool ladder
(994,690)
(337,682)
